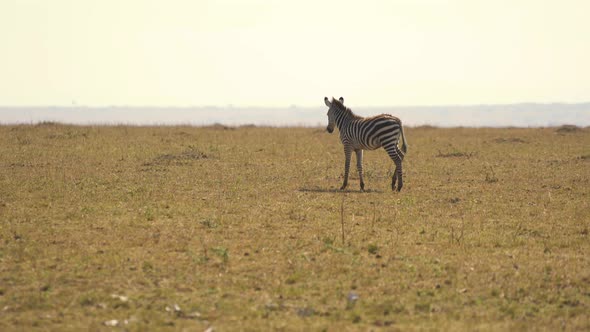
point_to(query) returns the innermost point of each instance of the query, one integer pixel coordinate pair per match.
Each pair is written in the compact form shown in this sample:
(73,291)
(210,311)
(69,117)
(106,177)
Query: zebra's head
(331,115)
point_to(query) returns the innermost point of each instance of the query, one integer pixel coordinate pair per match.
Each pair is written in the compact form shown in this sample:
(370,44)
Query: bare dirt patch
(509,140)
(178,159)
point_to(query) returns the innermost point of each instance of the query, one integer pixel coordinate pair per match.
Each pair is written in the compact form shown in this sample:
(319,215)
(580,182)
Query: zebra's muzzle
(330,130)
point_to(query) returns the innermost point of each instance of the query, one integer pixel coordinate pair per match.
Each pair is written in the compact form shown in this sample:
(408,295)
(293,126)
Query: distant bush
(568,129)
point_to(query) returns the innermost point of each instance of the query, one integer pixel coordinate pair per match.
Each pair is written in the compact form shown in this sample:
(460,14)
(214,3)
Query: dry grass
(185,228)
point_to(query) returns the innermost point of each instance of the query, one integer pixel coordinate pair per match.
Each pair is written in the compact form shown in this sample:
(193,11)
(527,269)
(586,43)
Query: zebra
(358,134)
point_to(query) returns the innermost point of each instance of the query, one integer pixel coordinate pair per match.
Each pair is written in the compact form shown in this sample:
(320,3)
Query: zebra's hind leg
(397,156)
(394,179)
(398,174)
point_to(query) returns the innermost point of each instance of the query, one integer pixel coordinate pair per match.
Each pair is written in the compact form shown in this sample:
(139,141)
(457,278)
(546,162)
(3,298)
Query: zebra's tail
(404,142)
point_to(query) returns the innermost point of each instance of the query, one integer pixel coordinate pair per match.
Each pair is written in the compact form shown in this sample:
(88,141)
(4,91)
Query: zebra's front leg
(359,167)
(347,153)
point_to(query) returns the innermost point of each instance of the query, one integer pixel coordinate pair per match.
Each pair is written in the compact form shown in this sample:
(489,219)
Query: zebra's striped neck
(343,115)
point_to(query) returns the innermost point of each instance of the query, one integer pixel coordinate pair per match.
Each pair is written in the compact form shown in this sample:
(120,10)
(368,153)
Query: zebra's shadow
(335,190)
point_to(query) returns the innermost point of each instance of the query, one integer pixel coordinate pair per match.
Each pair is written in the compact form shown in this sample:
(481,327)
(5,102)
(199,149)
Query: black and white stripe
(358,134)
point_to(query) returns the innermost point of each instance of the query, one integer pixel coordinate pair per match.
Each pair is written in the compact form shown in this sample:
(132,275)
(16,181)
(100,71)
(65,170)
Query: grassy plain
(185,228)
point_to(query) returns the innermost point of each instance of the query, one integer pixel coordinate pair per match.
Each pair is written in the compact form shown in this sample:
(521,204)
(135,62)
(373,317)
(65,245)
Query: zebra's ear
(341,99)
(327,101)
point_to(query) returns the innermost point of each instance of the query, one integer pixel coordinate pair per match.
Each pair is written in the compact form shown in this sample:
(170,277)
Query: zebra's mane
(340,106)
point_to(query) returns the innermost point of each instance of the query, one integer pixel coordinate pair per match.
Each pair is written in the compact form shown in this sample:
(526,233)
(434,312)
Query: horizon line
(229,106)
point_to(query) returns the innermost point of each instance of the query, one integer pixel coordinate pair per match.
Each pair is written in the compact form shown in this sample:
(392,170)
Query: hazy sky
(278,53)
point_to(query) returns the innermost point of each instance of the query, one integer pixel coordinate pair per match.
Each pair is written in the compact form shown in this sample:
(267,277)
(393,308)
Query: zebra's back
(374,132)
